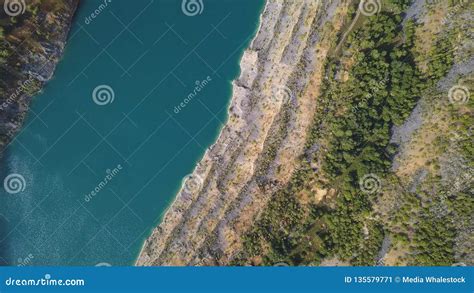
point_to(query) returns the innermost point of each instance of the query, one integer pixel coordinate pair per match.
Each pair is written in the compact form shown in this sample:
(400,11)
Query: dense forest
(353,128)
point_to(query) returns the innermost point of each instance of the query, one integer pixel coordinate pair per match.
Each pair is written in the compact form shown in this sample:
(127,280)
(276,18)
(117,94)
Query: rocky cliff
(33,35)
(272,107)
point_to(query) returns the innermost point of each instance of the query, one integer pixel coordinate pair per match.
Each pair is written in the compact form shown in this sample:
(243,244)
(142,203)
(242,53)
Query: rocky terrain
(304,173)
(33,35)
(272,108)
(434,162)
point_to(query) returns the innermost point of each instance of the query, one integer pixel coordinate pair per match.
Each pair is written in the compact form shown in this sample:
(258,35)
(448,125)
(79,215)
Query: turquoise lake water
(98,175)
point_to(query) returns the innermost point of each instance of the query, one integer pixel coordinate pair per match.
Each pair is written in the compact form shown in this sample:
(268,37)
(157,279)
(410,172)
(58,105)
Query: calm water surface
(100,174)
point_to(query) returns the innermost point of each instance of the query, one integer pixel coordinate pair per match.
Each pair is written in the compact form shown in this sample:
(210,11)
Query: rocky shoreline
(36,42)
(272,108)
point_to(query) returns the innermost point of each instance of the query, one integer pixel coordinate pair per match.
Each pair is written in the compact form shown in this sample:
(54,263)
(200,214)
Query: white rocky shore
(271,111)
